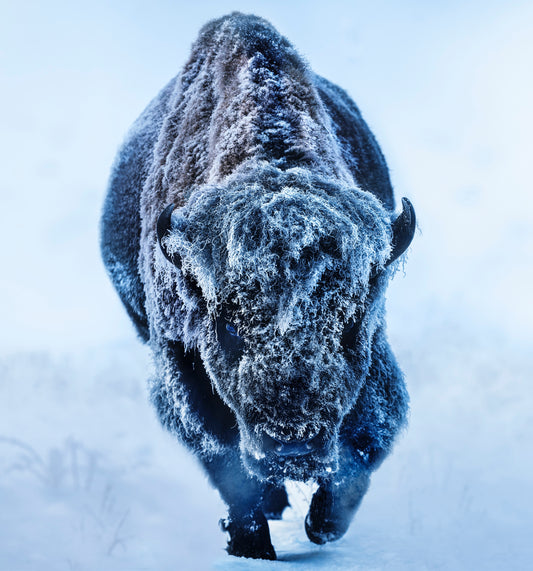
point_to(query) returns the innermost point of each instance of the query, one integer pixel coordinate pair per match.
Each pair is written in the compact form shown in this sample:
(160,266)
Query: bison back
(120,230)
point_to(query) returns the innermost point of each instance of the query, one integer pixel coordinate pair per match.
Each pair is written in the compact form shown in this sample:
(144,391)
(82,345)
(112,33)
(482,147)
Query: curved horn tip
(163,227)
(403,230)
(410,216)
(163,222)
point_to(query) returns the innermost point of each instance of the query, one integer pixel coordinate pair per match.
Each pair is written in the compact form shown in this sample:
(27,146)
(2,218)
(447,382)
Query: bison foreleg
(367,434)
(333,507)
(248,529)
(182,375)
(249,535)
(274,501)
(246,522)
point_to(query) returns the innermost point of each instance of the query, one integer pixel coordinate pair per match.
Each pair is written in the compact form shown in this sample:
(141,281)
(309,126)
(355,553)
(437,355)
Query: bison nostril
(288,447)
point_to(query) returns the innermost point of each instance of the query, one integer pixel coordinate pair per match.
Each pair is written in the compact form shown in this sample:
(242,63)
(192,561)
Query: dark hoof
(323,532)
(333,507)
(249,536)
(326,520)
(274,501)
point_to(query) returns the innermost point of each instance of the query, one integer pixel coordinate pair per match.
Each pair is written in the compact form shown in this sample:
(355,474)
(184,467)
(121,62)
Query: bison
(249,231)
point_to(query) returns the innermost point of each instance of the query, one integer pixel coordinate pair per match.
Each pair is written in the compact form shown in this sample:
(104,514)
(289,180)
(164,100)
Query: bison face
(289,390)
(290,276)
(291,380)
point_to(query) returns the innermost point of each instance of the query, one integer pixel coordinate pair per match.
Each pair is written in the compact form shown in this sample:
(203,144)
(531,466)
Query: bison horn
(403,230)
(163,229)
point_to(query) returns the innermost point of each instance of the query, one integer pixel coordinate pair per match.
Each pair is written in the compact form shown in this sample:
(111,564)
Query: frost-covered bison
(249,232)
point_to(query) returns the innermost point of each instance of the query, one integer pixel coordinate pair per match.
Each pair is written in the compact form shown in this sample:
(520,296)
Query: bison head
(280,279)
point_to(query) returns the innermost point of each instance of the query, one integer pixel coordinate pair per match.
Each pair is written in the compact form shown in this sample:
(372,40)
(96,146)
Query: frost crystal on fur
(269,324)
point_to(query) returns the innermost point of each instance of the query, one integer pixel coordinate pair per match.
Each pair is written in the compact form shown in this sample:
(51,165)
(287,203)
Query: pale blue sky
(446,87)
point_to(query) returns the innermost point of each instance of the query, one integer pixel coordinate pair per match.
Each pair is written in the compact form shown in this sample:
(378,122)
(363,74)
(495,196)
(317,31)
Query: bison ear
(163,230)
(403,230)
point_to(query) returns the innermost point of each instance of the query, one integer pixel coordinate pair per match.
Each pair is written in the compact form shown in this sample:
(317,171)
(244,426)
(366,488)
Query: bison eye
(229,339)
(349,335)
(231,330)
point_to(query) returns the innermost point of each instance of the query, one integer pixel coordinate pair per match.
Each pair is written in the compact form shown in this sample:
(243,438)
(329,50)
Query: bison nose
(290,447)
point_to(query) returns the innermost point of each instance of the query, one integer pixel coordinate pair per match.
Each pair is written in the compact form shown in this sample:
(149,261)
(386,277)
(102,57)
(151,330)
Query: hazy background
(88,480)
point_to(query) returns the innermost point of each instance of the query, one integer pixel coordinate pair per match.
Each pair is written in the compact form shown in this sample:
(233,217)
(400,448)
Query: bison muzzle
(249,230)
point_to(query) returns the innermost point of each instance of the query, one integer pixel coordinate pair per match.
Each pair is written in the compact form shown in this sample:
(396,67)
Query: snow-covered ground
(88,479)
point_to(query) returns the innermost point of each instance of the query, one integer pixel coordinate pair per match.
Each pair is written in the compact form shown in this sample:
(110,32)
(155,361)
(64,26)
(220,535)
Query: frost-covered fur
(281,233)
(286,257)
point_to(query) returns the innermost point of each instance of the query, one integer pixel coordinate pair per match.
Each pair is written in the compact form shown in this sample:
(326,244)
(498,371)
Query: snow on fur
(287,256)
(272,231)
(248,231)
(280,233)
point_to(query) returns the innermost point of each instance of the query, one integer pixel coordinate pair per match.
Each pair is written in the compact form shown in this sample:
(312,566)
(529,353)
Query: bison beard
(249,232)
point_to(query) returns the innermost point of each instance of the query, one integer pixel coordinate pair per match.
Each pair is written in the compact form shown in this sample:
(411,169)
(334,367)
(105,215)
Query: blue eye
(229,339)
(231,330)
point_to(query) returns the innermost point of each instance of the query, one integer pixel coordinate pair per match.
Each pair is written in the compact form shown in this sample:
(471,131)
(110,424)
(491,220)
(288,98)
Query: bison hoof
(324,522)
(249,536)
(324,531)
(274,501)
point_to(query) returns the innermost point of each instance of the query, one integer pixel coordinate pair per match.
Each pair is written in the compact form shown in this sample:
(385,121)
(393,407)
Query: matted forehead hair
(273,240)
(299,239)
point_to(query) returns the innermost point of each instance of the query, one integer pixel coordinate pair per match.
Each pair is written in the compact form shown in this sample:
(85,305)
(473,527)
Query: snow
(88,479)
